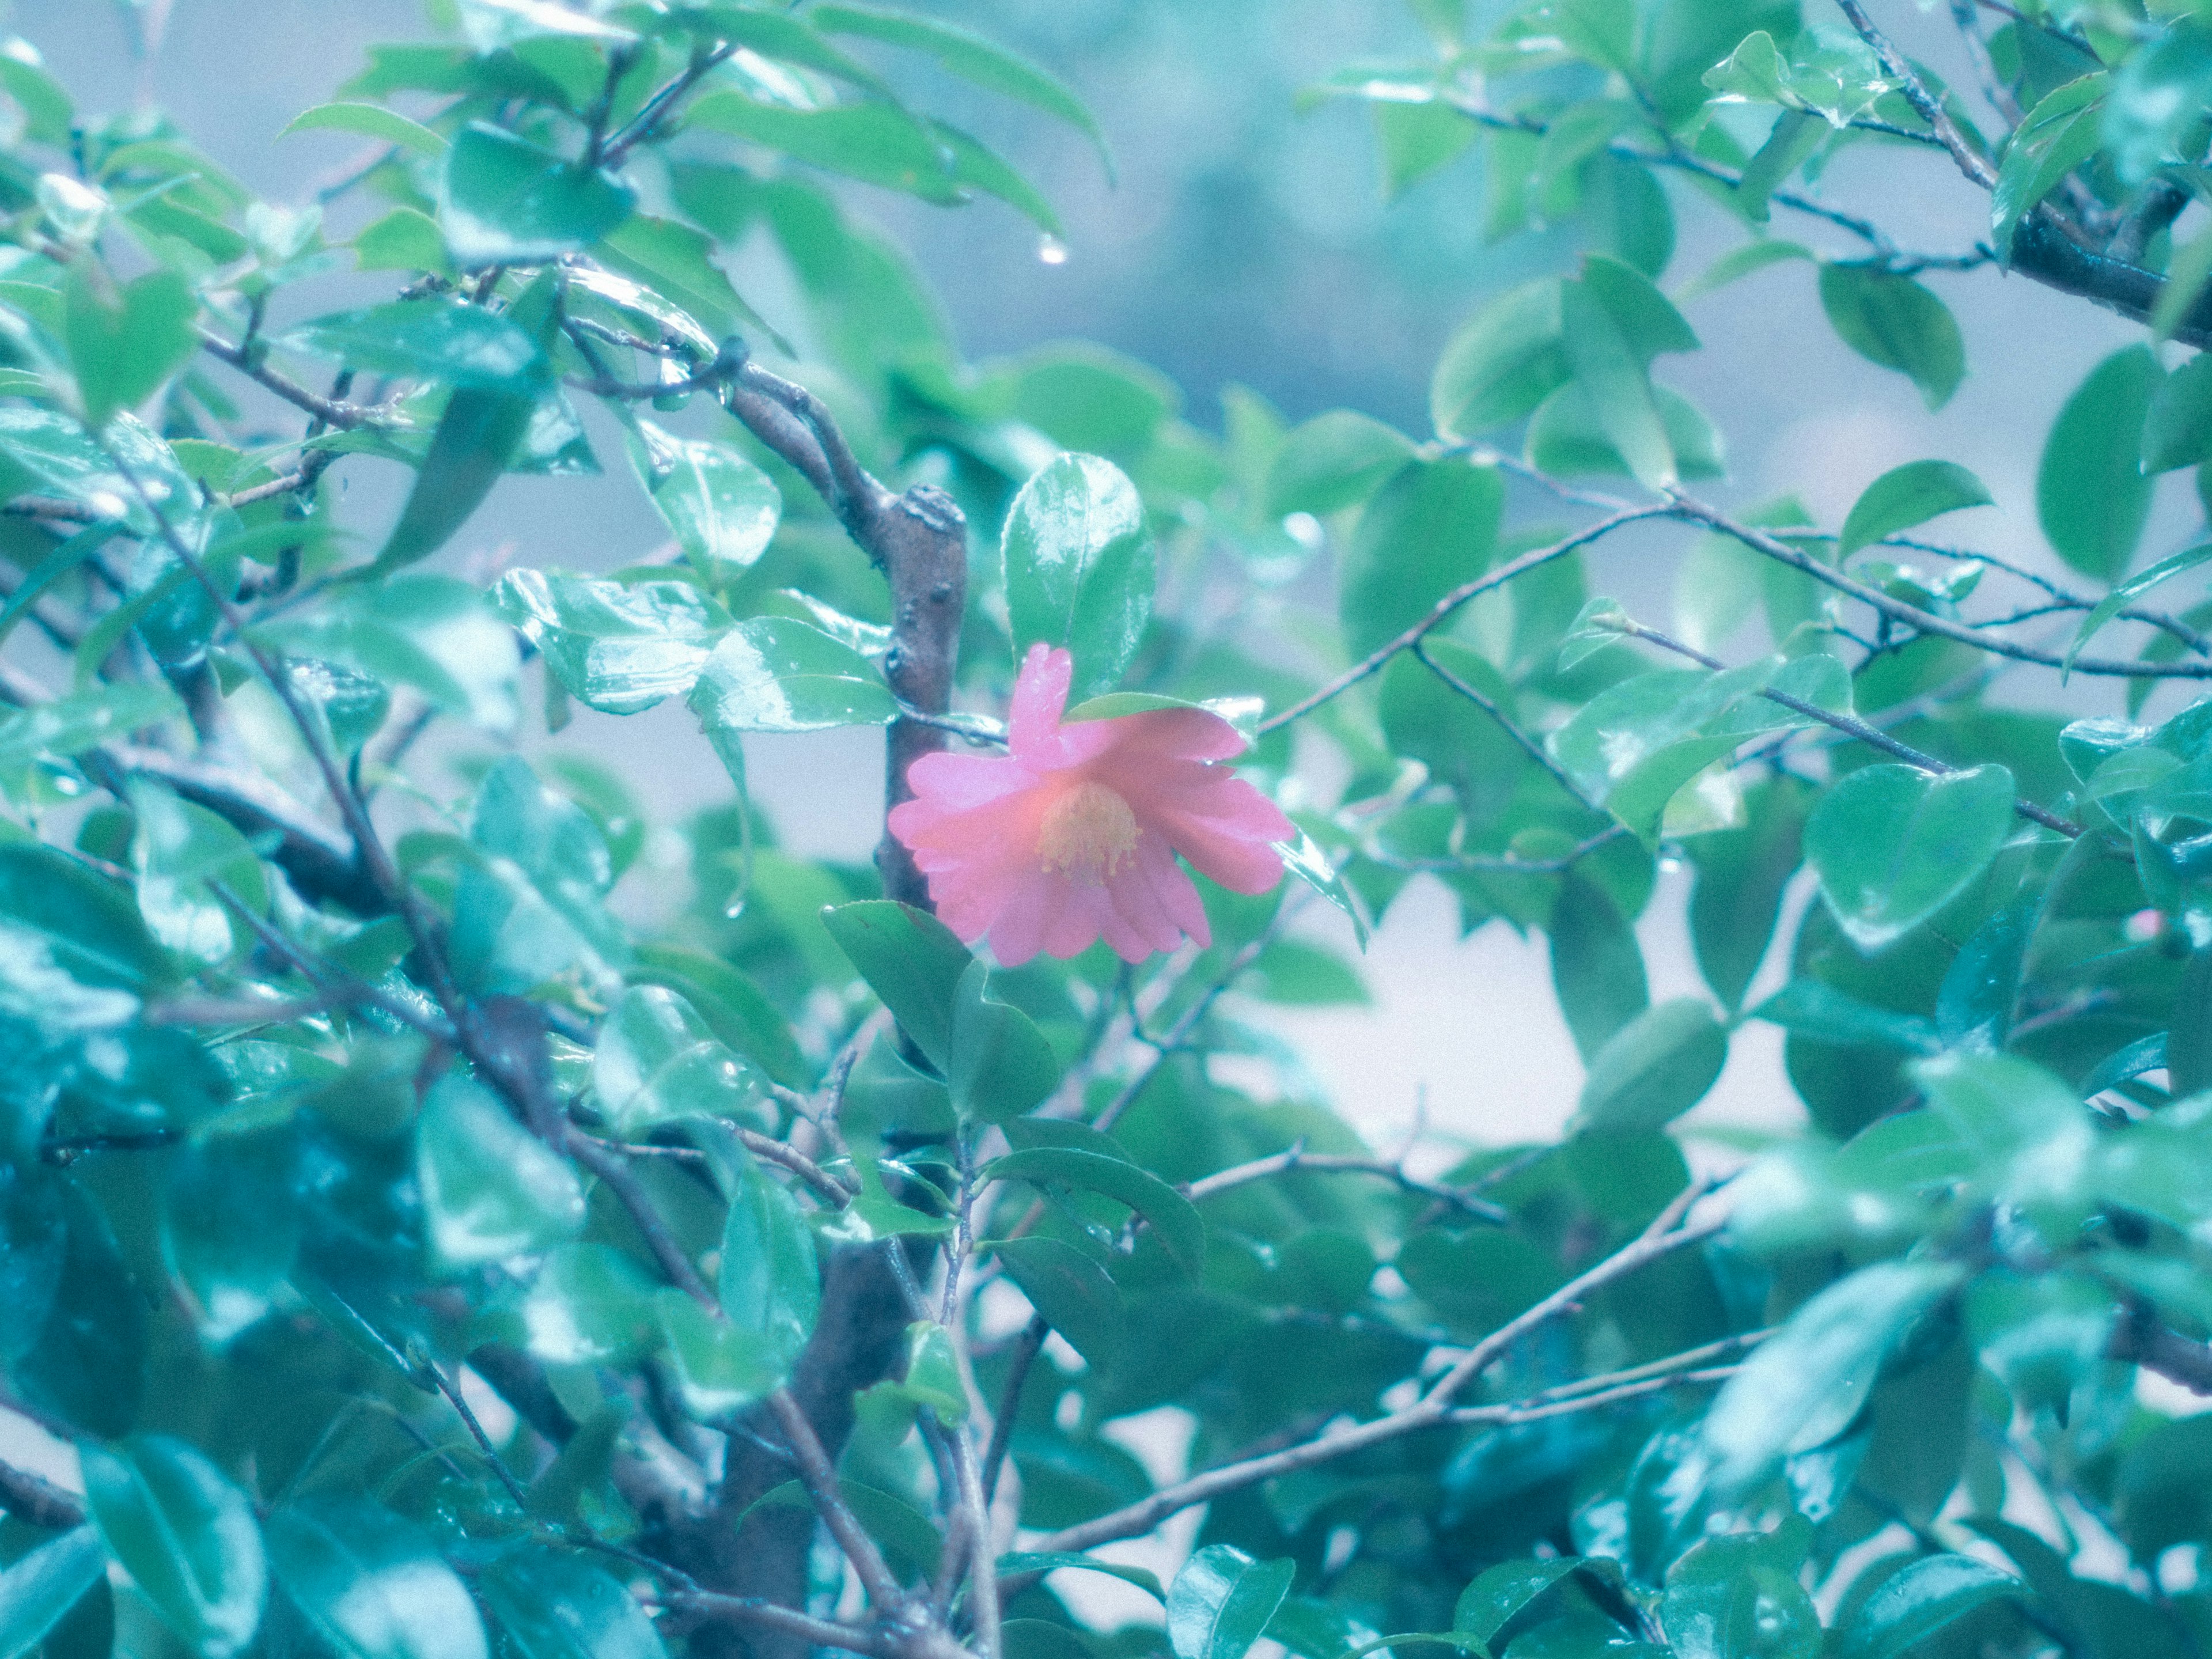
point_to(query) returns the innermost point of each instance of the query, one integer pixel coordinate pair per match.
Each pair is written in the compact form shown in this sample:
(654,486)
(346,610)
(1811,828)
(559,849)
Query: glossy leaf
(1221,1601)
(1806,1382)
(491,1191)
(373,1585)
(777,674)
(722,509)
(368,121)
(2127,592)
(1335,460)
(770,1285)
(186,1536)
(1079,567)
(1503,363)
(502,200)
(657,1062)
(456,344)
(1919,1600)
(1430,528)
(619,647)
(1892,845)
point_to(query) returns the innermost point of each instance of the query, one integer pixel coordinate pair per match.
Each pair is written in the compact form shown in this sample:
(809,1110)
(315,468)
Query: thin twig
(1297,1159)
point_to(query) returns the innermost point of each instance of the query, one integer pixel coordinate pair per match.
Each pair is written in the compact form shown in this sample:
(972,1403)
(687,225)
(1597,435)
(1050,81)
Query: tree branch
(32,1497)
(1433,1410)
(1297,1159)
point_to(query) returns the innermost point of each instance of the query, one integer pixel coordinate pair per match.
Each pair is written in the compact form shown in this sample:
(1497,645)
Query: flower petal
(1040,698)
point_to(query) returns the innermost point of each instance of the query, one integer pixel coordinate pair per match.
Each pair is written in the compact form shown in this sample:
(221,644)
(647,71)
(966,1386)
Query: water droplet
(1051,251)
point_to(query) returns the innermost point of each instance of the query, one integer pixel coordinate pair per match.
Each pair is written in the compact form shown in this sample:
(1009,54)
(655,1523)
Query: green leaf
(1171,1215)
(1497,1598)
(186,1536)
(673,271)
(1597,968)
(1429,530)
(233,1225)
(1741,875)
(2058,135)
(369,121)
(2091,495)
(1335,460)
(475,438)
(1813,1008)
(911,960)
(372,1584)
(70,725)
(436,633)
(124,341)
(1920,1599)
(2178,429)
(770,1284)
(592,1305)
(490,1190)
(1737,1596)
(878,143)
(1796,138)
(657,1062)
(179,849)
(1806,1382)
(1907,496)
(1654,1068)
(1221,1600)
(429,339)
(777,674)
(999,1065)
(48,113)
(502,200)
(1741,262)
(553,1604)
(620,648)
(973,58)
(719,1367)
(1056,1560)
(1070,1291)
(1502,363)
(1080,569)
(723,509)
(39,1587)
(1615,381)
(2133,589)
(1304,859)
(531,907)
(1895,322)
(1566,437)
(1893,846)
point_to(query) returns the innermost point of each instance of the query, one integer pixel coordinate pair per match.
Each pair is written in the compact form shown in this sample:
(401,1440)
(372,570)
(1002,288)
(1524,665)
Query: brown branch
(329,411)
(1528,746)
(817,1475)
(1849,725)
(768,1615)
(1297,1159)
(2138,1339)
(32,1497)
(1027,1346)
(1433,1410)
(319,865)
(1444,607)
(1695,512)
(1969,160)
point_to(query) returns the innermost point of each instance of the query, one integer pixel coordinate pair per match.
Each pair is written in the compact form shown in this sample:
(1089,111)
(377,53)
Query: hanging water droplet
(1051,251)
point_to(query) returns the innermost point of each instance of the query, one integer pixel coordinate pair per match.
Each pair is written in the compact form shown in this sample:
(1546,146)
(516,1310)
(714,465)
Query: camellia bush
(427,1258)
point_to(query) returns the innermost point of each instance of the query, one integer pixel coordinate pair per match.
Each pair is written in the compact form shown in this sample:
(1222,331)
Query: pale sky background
(1246,243)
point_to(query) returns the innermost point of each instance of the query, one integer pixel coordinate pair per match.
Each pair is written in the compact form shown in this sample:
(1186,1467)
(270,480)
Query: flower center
(1089,834)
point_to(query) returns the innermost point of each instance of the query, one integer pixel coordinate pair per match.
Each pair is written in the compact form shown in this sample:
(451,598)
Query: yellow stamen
(1090,834)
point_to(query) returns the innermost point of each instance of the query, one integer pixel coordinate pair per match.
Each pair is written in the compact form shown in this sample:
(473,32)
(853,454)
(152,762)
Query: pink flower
(1072,837)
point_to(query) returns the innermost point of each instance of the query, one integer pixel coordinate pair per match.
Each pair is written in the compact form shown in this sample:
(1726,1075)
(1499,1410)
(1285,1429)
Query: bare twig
(1297,1159)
